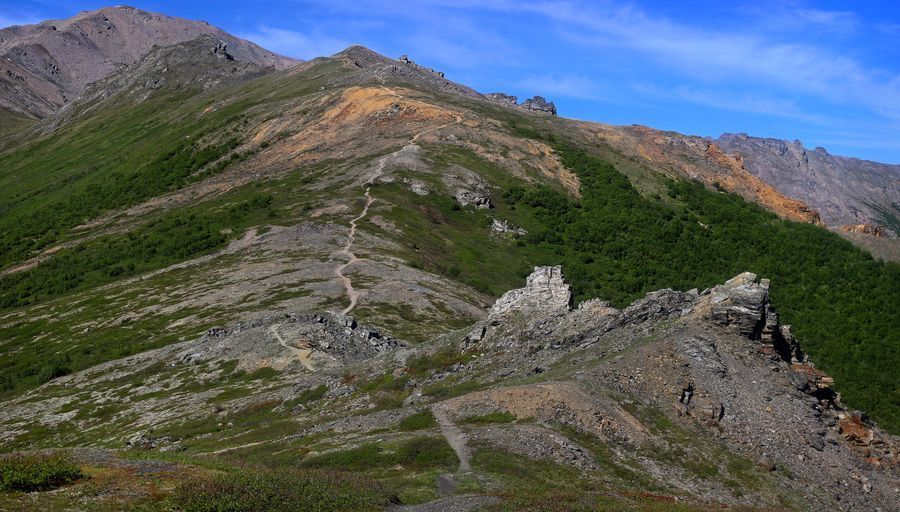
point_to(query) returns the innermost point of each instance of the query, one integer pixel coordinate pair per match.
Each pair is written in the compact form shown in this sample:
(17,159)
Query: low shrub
(280,490)
(36,472)
(419,453)
(418,421)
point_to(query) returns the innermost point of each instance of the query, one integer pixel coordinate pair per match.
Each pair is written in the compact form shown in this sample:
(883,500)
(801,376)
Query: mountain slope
(845,191)
(45,66)
(296,267)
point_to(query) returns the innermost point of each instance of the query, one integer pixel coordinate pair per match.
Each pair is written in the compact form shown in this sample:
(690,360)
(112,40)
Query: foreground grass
(36,472)
(280,490)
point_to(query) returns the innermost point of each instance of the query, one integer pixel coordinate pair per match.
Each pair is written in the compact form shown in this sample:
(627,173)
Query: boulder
(476,198)
(503,227)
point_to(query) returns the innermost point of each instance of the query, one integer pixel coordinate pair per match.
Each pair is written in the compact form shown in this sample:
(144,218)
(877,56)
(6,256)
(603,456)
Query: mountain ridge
(846,191)
(46,65)
(215,267)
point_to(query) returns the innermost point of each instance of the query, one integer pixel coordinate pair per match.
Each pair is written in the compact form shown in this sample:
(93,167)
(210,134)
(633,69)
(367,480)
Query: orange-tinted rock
(865,229)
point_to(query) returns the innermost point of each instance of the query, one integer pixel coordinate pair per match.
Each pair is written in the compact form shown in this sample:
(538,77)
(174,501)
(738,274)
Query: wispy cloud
(736,101)
(891,29)
(720,56)
(571,86)
(293,43)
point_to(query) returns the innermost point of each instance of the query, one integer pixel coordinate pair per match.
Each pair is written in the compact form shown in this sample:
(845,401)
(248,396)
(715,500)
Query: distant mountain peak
(47,65)
(844,190)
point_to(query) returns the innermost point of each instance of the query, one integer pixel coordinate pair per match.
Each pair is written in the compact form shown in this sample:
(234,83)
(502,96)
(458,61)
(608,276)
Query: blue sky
(827,73)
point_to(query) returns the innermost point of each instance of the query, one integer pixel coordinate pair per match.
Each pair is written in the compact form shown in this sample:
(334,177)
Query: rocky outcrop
(545,292)
(502,98)
(476,198)
(717,359)
(741,304)
(538,103)
(504,228)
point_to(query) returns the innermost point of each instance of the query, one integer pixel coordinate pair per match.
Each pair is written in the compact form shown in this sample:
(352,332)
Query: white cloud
(737,101)
(726,55)
(891,29)
(571,86)
(295,44)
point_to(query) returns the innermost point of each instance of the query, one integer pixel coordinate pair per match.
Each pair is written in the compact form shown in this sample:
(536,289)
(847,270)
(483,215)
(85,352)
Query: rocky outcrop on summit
(502,98)
(46,66)
(741,304)
(539,104)
(843,190)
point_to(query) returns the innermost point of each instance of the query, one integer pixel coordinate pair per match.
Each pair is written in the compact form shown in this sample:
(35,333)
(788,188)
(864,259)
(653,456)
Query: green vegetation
(36,472)
(618,245)
(169,239)
(443,359)
(12,122)
(280,490)
(418,421)
(24,233)
(551,487)
(418,453)
(491,417)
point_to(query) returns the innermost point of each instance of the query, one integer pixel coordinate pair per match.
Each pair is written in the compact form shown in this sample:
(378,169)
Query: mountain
(45,66)
(354,284)
(847,192)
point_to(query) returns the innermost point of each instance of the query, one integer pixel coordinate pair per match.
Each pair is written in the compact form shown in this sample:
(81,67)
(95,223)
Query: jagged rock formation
(718,358)
(545,292)
(46,66)
(843,190)
(537,103)
(501,97)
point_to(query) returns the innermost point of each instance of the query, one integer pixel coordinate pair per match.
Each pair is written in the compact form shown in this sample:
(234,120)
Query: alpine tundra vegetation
(232,280)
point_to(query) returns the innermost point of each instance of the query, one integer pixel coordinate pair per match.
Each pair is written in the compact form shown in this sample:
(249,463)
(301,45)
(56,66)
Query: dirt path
(352,293)
(303,355)
(457,440)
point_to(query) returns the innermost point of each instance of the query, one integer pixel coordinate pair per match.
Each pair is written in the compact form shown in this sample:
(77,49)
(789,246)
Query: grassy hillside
(614,242)
(11,123)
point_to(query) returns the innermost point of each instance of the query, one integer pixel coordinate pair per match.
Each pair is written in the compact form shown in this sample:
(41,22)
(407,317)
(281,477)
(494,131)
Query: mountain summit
(47,65)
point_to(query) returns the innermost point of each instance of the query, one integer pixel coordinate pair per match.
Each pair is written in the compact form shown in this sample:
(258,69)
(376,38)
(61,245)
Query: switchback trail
(347,251)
